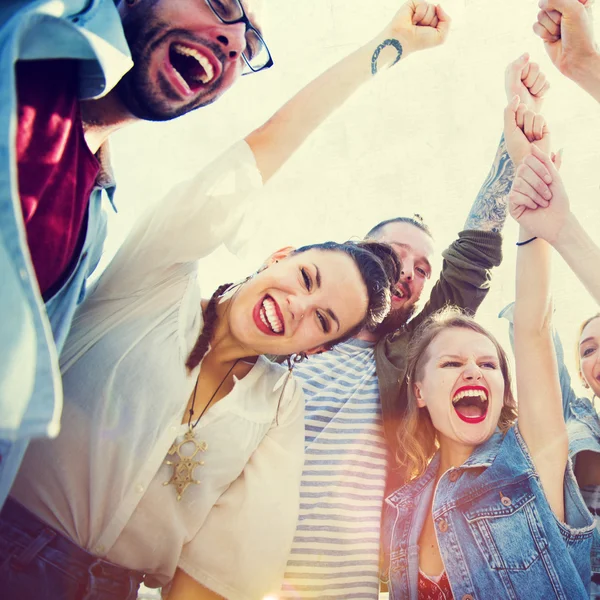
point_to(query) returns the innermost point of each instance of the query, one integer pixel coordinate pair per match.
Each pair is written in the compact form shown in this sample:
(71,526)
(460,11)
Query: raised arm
(418,25)
(524,79)
(567,30)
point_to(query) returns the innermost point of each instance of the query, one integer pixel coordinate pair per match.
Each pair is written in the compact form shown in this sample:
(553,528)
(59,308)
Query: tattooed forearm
(488,212)
(389,42)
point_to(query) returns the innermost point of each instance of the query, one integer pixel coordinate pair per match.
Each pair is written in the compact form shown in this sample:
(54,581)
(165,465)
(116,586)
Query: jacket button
(443,525)
(454,475)
(468,597)
(506,501)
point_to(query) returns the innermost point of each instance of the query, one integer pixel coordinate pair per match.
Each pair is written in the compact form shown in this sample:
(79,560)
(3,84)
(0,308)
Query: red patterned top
(429,590)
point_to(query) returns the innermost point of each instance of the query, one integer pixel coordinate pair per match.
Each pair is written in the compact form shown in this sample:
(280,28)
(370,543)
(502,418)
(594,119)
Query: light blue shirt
(32,333)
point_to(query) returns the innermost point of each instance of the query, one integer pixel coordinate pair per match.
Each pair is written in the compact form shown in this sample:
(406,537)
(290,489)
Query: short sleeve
(241,551)
(189,223)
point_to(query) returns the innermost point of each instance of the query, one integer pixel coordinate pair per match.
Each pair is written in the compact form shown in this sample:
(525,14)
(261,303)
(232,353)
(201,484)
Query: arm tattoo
(488,212)
(375,57)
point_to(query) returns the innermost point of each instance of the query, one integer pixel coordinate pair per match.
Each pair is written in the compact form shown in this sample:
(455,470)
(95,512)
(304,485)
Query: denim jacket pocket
(507,527)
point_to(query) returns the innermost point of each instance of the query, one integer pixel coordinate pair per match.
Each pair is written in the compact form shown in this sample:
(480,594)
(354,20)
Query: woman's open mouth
(471,404)
(191,67)
(268,318)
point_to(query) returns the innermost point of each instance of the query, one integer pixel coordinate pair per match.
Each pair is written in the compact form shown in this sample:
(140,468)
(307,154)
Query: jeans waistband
(37,539)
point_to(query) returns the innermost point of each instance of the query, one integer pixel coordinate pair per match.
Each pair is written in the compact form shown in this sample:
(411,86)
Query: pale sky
(419,138)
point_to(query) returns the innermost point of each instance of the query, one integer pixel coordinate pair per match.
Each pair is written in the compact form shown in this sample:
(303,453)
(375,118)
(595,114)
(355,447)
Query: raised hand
(522,129)
(419,25)
(544,219)
(524,78)
(566,28)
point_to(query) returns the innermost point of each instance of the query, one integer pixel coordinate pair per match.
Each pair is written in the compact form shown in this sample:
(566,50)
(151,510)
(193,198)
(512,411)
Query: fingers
(444,22)
(538,167)
(551,25)
(420,12)
(528,119)
(530,184)
(562,6)
(544,34)
(521,195)
(538,127)
(546,160)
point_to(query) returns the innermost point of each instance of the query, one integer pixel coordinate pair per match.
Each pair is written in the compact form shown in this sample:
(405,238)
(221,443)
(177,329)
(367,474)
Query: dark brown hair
(379,268)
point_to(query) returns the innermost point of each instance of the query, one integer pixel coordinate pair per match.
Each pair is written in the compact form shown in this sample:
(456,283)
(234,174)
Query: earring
(292,360)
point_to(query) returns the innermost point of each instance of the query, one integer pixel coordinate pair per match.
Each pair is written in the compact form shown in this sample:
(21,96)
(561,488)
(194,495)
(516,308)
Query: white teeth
(209,72)
(270,316)
(472,393)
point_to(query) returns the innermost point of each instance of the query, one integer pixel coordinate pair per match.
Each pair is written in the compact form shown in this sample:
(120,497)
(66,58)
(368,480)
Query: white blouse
(126,388)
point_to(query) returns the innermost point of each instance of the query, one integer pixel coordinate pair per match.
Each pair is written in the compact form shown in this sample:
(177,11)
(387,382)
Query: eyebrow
(409,247)
(588,339)
(328,311)
(486,357)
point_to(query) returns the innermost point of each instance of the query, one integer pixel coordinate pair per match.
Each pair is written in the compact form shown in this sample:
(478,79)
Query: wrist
(586,72)
(568,235)
(392,43)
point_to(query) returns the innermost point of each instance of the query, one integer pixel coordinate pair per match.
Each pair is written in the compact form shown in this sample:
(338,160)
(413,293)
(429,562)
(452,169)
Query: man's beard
(395,320)
(144,32)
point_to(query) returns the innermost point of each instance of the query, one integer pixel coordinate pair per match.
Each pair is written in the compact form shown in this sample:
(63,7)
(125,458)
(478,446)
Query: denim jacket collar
(482,456)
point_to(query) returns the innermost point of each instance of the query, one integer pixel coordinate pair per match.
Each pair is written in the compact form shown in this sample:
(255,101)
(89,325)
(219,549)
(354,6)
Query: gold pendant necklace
(183,467)
(185,463)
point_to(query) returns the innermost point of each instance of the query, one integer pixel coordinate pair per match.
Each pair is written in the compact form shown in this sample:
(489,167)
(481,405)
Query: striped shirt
(335,553)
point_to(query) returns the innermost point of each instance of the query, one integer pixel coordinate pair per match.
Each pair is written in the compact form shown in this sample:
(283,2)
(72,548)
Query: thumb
(510,113)
(518,65)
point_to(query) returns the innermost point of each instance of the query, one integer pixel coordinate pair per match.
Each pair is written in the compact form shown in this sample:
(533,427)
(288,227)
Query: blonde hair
(416,435)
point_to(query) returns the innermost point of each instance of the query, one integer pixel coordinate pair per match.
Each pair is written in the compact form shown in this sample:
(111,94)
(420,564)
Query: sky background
(419,138)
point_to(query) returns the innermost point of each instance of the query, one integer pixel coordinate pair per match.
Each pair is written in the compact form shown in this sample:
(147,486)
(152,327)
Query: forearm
(587,76)
(533,300)
(282,134)
(541,419)
(581,254)
(489,210)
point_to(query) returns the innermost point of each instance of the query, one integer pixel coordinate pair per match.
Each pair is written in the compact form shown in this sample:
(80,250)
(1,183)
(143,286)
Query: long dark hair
(379,268)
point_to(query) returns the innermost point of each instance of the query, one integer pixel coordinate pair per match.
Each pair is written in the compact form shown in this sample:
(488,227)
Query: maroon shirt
(428,590)
(56,169)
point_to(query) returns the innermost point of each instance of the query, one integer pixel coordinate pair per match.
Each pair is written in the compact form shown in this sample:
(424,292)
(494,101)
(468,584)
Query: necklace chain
(185,463)
(191,411)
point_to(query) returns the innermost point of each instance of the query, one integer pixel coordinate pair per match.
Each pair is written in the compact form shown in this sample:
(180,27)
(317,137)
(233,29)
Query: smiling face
(589,355)
(414,248)
(184,56)
(461,384)
(299,303)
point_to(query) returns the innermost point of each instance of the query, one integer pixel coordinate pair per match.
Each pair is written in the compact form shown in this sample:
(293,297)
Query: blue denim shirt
(497,534)
(583,426)
(31,333)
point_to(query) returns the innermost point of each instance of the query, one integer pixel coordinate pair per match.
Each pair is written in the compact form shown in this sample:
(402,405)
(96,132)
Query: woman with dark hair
(181,446)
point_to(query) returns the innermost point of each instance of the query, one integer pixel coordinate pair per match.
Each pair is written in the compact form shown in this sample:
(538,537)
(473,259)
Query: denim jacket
(497,534)
(583,426)
(32,332)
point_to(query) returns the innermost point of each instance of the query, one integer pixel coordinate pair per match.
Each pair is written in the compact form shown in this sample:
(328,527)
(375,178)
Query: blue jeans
(39,563)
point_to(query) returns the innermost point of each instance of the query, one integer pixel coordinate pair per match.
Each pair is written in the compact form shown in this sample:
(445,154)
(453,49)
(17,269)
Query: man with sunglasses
(72,73)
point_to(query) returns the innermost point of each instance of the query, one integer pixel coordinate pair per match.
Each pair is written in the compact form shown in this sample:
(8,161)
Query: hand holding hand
(419,25)
(523,78)
(542,219)
(566,28)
